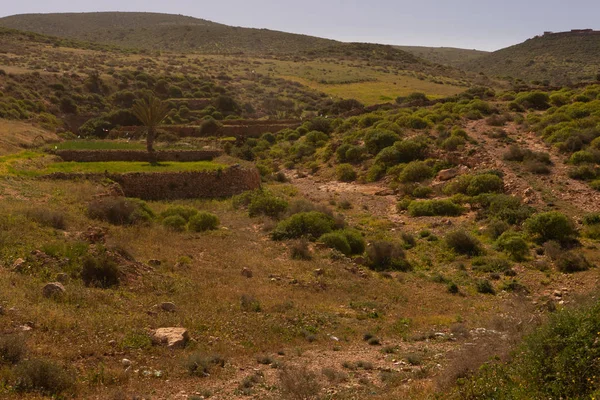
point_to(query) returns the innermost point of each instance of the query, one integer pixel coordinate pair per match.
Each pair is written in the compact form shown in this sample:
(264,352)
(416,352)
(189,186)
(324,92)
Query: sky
(471,24)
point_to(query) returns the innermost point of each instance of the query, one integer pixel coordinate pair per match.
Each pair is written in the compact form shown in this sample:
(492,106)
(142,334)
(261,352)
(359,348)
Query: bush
(507,208)
(180,211)
(311,225)
(416,171)
(298,383)
(265,203)
(384,255)
(46,217)
(42,376)
(485,287)
(345,173)
(463,243)
(99,271)
(346,241)
(203,221)
(199,364)
(569,262)
(551,225)
(491,265)
(120,210)
(473,185)
(175,223)
(429,208)
(12,349)
(376,140)
(299,250)
(514,244)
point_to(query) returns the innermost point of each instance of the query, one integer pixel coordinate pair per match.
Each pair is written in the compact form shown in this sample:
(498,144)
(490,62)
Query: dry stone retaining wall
(179,185)
(136,155)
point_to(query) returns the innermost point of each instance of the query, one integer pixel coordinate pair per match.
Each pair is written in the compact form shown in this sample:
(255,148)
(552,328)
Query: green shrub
(485,287)
(265,203)
(377,140)
(421,192)
(384,255)
(42,376)
(473,185)
(200,365)
(514,244)
(507,208)
(99,271)
(336,240)
(558,360)
(12,349)
(345,173)
(175,223)
(551,225)
(463,243)
(416,171)
(312,225)
(203,221)
(491,264)
(184,212)
(592,218)
(411,150)
(569,262)
(347,241)
(429,208)
(119,210)
(47,217)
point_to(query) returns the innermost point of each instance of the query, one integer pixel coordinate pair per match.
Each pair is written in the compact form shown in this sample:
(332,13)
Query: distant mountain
(163,32)
(556,57)
(444,55)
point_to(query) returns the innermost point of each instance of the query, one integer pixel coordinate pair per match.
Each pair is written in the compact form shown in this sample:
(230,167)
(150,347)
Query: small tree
(151,112)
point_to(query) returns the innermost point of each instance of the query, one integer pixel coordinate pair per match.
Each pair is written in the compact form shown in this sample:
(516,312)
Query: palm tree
(150,111)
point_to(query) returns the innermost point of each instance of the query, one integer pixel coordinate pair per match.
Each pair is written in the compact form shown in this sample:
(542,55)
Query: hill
(163,32)
(443,55)
(556,57)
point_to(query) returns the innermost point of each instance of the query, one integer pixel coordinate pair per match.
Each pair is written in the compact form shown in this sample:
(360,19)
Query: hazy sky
(480,24)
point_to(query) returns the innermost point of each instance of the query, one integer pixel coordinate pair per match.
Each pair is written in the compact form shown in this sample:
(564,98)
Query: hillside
(163,32)
(444,55)
(558,58)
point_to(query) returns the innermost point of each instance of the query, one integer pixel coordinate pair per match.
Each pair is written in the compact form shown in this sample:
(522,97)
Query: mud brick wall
(136,155)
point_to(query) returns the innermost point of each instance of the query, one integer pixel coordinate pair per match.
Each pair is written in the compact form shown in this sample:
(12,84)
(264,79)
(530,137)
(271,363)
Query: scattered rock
(93,234)
(62,277)
(112,343)
(19,265)
(168,306)
(172,337)
(53,289)
(154,263)
(126,362)
(247,272)
(385,192)
(359,261)
(319,272)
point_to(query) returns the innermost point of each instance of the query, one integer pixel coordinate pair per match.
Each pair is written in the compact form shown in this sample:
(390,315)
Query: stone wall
(179,185)
(136,155)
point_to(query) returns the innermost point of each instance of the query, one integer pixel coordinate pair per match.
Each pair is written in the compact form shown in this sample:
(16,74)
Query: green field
(99,145)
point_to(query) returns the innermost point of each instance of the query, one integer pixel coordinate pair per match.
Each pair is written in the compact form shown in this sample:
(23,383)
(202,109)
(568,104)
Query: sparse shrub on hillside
(473,185)
(346,241)
(184,212)
(384,255)
(345,173)
(551,225)
(416,171)
(377,140)
(203,221)
(429,208)
(12,349)
(514,244)
(299,383)
(507,208)
(120,210)
(299,250)
(491,264)
(99,271)
(485,287)
(200,365)
(533,100)
(47,217)
(570,262)
(261,202)
(175,222)
(311,225)
(347,153)
(42,376)
(463,243)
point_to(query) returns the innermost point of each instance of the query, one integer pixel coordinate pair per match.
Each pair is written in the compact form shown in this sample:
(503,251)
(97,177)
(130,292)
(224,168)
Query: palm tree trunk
(150,144)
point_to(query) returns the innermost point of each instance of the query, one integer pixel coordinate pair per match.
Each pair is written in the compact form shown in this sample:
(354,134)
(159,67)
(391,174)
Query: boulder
(172,337)
(247,272)
(53,289)
(447,174)
(168,306)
